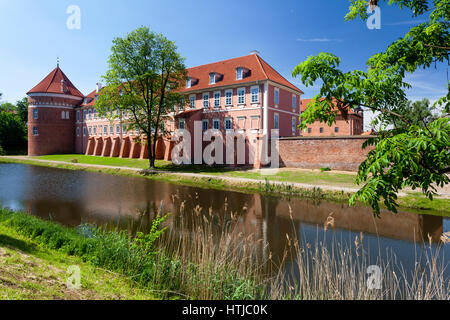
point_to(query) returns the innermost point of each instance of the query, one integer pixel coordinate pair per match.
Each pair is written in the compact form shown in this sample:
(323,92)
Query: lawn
(104,161)
(285,175)
(29,271)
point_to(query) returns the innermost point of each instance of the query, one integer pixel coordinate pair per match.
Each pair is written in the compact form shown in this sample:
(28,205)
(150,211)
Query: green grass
(105,161)
(28,271)
(301,176)
(153,269)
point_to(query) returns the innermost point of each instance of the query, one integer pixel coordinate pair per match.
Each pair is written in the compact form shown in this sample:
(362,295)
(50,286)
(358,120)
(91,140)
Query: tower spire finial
(57,62)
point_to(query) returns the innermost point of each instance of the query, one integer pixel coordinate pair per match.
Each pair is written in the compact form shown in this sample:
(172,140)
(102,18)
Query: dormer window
(239,73)
(188,82)
(212,78)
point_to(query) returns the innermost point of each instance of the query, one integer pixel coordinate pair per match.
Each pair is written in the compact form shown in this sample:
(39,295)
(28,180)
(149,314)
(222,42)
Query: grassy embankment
(30,270)
(214,262)
(413,200)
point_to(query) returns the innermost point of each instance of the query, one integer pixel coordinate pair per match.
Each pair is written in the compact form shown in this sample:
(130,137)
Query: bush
(13,133)
(325,169)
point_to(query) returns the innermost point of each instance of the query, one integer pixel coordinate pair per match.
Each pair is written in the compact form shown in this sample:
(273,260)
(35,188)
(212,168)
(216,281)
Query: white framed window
(294,126)
(84,131)
(294,102)
(229,97)
(241,95)
(67,115)
(276,96)
(205,124)
(216,124)
(228,124)
(255,94)
(124,129)
(111,130)
(239,73)
(35,113)
(212,78)
(206,100)
(182,124)
(105,130)
(78,131)
(95,131)
(217,99)
(90,114)
(63,114)
(192,101)
(276,121)
(117,129)
(78,116)
(35,131)
(181,107)
(95,114)
(188,82)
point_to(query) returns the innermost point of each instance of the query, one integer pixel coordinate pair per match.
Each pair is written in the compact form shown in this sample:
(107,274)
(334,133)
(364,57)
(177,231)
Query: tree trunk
(151,156)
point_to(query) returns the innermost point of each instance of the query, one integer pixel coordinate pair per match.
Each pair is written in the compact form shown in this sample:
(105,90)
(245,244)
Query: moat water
(75,197)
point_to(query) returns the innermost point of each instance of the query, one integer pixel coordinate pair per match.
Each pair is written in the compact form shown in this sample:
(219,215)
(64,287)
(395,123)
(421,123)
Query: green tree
(13,133)
(418,113)
(22,109)
(145,72)
(411,154)
(8,107)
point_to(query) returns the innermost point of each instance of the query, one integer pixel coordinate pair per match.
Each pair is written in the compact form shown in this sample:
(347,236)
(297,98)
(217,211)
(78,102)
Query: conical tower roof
(53,84)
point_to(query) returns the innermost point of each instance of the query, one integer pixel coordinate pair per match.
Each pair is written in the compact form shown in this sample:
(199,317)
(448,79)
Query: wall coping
(328,138)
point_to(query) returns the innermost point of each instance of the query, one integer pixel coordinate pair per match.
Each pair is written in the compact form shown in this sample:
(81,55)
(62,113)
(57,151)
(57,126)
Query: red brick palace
(245,94)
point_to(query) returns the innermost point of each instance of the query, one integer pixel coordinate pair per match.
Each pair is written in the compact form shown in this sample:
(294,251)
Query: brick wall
(336,153)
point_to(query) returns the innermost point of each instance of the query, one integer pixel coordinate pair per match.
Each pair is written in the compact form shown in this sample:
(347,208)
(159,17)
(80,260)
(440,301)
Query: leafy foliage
(145,71)
(415,152)
(13,132)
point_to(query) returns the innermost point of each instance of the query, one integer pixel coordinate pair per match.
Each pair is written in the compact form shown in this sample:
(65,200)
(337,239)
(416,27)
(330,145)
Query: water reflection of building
(72,197)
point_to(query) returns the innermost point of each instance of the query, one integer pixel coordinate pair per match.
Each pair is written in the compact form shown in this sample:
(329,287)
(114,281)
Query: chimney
(99,86)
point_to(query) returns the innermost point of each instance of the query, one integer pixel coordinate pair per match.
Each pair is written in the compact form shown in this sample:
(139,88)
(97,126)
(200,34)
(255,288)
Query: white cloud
(408,22)
(318,40)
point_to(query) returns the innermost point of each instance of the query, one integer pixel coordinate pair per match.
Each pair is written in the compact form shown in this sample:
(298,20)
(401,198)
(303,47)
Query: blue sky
(33,33)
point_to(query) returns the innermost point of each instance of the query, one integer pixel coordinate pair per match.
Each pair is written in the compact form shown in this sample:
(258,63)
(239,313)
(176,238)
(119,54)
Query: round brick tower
(51,115)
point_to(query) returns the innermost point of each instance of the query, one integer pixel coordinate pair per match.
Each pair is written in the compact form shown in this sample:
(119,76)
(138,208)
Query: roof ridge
(51,80)
(258,58)
(279,74)
(226,60)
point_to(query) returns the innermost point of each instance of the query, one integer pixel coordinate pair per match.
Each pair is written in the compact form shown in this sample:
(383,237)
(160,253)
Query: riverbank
(172,264)
(314,184)
(30,271)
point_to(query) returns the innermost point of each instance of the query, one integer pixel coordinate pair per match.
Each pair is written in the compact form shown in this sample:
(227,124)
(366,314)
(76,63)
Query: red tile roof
(304,105)
(52,84)
(90,99)
(259,70)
